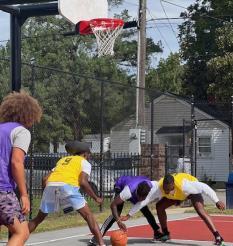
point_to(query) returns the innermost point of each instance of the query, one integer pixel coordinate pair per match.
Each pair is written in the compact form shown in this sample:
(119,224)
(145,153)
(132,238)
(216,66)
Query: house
(92,139)
(172,126)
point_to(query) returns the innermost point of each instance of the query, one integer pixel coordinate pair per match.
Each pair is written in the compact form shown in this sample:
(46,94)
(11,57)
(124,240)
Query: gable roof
(216,111)
(126,124)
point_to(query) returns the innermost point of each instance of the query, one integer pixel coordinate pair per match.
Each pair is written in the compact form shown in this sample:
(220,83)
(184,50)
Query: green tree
(198,42)
(167,76)
(220,68)
(71,101)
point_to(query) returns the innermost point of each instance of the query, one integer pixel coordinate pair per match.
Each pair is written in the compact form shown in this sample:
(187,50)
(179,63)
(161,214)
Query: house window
(204,146)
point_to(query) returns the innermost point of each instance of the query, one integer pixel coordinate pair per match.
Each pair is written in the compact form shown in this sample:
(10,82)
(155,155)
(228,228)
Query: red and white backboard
(78,10)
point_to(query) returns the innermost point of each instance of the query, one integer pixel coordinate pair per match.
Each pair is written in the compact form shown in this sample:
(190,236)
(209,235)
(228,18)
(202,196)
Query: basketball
(119,238)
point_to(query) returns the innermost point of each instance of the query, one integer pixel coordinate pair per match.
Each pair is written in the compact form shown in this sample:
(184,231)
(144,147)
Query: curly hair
(20,107)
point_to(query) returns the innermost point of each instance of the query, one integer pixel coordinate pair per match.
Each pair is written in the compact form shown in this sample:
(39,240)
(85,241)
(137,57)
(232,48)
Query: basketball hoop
(105,30)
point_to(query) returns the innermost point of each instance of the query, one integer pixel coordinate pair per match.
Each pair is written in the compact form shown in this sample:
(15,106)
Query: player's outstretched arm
(220,205)
(83,179)
(117,201)
(196,187)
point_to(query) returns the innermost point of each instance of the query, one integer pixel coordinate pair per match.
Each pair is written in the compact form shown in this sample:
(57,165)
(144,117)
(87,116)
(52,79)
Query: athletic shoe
(92,242)
(161,237)
(219,241)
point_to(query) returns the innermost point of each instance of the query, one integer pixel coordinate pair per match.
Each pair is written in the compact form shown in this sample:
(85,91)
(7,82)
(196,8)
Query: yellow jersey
(67,170)
(178,192)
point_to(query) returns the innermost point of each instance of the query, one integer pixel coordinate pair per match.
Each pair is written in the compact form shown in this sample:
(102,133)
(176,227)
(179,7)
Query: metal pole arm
(13,2)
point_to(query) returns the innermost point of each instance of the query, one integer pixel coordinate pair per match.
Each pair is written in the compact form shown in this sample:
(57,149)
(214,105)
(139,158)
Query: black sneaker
(219,241)
(92,242)
(161,237)
(157,236)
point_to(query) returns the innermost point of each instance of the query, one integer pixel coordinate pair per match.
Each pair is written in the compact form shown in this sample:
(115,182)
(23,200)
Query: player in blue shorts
(63,188)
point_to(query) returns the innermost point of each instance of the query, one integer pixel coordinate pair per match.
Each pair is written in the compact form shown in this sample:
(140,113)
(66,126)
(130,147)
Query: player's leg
(86,213)
(32,225)
(198,204)
(151,220)
(49,204)
(107,224)
(161,207)
(11,216)
(19,233)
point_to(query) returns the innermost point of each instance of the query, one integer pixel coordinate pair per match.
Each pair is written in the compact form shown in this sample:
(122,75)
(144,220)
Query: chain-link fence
(178,134)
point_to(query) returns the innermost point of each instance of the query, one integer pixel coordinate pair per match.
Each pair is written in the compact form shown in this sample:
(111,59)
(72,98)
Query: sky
(158,30)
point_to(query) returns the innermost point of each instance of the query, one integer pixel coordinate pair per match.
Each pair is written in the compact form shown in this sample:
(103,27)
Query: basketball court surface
(186,229)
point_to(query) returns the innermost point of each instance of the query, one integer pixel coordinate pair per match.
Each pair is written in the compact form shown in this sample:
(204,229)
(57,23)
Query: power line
(169,21)
(160,32)
(81,76)
(202,15)
(170,18)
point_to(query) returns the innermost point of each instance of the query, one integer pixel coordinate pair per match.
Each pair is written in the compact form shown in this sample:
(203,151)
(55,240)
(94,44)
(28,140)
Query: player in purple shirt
(18,111)
(133,189)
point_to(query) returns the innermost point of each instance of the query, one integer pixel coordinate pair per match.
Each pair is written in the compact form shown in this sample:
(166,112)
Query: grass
(211,210)
(61,221)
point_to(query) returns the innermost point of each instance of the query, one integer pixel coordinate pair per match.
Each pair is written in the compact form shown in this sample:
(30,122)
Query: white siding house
(170,112)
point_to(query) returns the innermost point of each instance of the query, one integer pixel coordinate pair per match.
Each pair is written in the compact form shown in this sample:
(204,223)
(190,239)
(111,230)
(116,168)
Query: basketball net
(106,37)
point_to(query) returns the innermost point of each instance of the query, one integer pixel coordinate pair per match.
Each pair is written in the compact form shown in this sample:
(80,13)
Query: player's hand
(220,205)
(25,204)
(122,226)
(99,200)
(125,217)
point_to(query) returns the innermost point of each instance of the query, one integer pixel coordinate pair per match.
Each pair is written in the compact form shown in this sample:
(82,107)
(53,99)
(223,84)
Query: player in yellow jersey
(63,188)
(172,190)
(178,187)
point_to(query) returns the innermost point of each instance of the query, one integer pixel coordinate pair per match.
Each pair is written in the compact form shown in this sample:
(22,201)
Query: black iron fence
(102,112)
(103,176)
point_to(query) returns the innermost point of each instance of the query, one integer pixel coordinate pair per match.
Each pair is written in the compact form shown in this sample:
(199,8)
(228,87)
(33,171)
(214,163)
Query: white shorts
(64,197)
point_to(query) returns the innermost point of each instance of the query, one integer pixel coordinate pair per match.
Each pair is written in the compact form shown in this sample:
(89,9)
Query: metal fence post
(32,144)
(151,139)
(231,167)
(195,148)
(192,135)
(166,159)
(101,139)
(183,138)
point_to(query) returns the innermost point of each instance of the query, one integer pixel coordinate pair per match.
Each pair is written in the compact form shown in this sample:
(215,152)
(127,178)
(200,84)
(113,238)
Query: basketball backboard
(77,10)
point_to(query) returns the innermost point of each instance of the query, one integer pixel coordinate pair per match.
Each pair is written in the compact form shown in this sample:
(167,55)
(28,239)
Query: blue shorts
(64,197)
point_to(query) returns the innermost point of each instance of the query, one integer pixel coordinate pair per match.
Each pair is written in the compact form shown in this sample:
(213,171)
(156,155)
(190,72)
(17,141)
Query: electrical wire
(160,32)
(79,75)
(202,15)
(169,21)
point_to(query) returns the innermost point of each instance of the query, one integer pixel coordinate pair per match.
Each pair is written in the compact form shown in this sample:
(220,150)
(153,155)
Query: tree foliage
(167,76)
(220,68)
(199,42)
(71,100)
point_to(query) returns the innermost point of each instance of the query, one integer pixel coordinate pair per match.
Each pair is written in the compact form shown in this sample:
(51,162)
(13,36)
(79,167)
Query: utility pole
(141,66)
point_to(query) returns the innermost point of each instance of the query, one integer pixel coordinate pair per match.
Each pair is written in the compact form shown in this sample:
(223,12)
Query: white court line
(181,240)
(58,239)
(88,234)
(200,220)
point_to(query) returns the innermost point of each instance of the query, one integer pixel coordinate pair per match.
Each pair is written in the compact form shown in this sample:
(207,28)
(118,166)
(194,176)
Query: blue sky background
(158,30)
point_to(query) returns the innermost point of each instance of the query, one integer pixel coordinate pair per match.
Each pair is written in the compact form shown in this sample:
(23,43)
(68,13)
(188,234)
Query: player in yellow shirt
(63,188)
(178,187)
